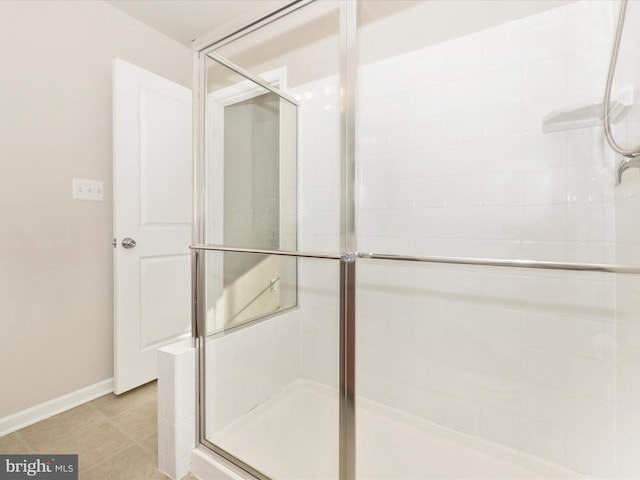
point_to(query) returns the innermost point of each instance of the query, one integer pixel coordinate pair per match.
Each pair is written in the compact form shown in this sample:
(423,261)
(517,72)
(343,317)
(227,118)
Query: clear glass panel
(242,287)
(251,196)
(302,51)
(273,182)
(473,140)
(462,370)
(627,238)
(271,386)
(452,153)
(251,167)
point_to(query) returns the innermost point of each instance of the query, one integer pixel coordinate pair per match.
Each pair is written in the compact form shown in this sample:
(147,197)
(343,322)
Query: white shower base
(294,436)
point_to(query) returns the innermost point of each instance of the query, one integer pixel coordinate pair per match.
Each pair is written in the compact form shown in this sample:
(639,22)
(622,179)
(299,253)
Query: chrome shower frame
(347,255)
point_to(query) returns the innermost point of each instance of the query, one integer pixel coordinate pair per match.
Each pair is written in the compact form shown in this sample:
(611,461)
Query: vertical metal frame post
(197,270)
(347,461)
(348,69)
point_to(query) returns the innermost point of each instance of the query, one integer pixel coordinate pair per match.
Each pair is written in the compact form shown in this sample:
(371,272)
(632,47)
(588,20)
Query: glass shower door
(270,265)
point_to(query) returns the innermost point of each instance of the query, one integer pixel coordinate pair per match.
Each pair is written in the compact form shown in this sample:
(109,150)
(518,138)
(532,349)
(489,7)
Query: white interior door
(152,206)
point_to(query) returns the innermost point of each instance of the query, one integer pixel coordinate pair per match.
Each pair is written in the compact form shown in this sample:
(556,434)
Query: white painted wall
(55,124)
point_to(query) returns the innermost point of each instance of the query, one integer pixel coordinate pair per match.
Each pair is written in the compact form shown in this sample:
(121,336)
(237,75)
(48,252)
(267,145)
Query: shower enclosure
(410,257)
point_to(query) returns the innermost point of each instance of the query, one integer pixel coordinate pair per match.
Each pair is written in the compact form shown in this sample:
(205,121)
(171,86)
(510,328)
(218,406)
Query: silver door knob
(128,243)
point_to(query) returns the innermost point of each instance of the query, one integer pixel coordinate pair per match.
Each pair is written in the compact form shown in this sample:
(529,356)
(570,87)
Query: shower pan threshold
(294,436)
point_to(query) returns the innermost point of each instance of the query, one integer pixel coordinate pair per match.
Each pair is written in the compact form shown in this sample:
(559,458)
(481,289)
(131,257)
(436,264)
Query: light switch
(84,189)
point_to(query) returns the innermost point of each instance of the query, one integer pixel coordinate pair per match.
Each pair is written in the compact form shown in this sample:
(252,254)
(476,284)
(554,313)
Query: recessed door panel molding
(165,129)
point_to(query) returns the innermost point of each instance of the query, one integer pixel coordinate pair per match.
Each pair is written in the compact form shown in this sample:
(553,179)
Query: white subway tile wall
(246,367)
(319,225)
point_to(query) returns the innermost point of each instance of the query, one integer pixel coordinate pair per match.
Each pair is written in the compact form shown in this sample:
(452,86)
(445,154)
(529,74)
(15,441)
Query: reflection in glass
(271,390)
(271,387)
(251,196)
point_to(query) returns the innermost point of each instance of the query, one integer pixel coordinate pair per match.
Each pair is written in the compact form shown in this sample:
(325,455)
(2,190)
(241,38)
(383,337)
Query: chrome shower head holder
(624,164)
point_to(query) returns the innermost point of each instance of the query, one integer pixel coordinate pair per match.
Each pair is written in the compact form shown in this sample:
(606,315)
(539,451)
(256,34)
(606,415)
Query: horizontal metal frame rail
(486,262)
(236,31)
(282,253)
(495,262)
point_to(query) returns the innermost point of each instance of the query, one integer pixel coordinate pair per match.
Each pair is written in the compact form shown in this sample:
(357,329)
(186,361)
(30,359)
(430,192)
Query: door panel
(165,136)
(152,195)
(162,302)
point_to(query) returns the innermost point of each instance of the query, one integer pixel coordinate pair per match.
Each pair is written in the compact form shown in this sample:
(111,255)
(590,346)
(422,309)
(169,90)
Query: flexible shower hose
(627,152)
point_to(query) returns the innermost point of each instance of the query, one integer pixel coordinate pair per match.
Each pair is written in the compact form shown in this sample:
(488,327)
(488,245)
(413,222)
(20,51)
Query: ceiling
(186,20)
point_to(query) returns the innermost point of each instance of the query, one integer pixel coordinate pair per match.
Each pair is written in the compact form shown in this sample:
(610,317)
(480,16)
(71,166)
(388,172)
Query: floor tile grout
(111,421)
(146,399)
(152,452)
(133,439)
(118,452)
(24,442)
(92,406)
(110,417)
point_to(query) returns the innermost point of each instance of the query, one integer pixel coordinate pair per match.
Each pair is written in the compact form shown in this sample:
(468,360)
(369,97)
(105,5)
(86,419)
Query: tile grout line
(109,420)
(121,430)
(101,416)
(136,441)
(109,417)
(96,409)
(24,442)
(105,460)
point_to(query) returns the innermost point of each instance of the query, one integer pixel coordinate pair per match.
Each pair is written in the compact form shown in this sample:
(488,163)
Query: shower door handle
(128,243)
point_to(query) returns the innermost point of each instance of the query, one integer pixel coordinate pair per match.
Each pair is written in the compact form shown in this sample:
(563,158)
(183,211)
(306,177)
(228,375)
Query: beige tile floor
(116,437)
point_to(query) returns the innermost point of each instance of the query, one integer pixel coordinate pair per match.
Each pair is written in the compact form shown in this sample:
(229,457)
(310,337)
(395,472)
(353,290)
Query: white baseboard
(34,414)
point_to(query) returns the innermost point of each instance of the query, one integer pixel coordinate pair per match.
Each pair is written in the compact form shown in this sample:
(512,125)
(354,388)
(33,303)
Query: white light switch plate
(84,189)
